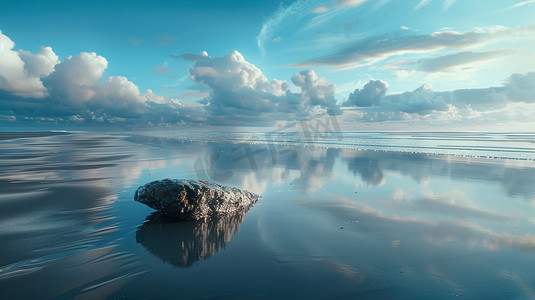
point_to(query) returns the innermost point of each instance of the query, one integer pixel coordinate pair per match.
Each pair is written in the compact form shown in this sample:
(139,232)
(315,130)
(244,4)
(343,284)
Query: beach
(369,215)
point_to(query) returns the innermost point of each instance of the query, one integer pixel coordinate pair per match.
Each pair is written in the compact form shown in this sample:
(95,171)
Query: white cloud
(20,71)
(491,103)
(240,91)
(294,12)
(277,39)
(233,72)
(523,3)
(451,62)
(369,95)
(38,87)
(353,3)
(118,96)
(520,88)
(422,101)
(320,9)
(447,4)
(381,47)
(315,90)
(76,83)
(77,92)
(422,4)
(77,78)
(40,64)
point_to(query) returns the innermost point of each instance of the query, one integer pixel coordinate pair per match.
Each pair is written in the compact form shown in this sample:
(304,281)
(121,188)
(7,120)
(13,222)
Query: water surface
(435,217)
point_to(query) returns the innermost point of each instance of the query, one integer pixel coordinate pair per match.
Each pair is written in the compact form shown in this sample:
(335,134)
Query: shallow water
(473,144)
(333,222)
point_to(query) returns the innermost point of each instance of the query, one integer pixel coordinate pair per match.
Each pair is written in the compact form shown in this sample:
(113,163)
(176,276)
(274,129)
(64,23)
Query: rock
(192,199)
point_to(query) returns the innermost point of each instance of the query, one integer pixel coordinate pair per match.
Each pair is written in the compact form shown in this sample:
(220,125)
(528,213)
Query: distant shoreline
(10,135)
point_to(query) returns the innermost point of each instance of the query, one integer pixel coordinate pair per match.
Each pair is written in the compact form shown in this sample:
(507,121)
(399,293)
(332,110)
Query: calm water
(408,216)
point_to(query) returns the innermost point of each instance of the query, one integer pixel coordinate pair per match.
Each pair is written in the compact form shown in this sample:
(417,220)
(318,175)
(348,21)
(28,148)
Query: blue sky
(379,64)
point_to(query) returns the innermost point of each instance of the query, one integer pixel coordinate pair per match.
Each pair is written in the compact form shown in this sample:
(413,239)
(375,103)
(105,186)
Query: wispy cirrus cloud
(292,13)
(162,69)
(353,3)
(445,5)
(341,3)
(523,3)
(380,47)
(422,4)
(320,9)
(297,11)
(450,62)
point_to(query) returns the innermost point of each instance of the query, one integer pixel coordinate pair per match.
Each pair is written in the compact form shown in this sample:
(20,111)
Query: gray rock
(192,199)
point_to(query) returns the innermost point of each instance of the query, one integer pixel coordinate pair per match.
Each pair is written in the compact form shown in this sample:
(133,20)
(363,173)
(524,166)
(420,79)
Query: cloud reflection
(56,229)
(58,192)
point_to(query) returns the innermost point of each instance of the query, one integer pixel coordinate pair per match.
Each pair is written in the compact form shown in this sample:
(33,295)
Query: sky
(436,65)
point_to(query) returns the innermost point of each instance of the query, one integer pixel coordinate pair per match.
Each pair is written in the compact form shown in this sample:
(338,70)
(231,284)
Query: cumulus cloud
(76,83)
(77,78)
(424,101)
(240,91)
(118,96)
(421,104)
(369,95)
(381,47)
(520,88)
(40,64)
(38,87)
(20,71)
(233,73)
(315,90)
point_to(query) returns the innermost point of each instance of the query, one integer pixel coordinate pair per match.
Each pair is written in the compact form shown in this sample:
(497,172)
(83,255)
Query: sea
(342,214)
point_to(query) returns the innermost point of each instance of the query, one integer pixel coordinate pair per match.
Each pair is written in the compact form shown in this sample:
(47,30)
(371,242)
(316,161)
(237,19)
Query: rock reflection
(182,244)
